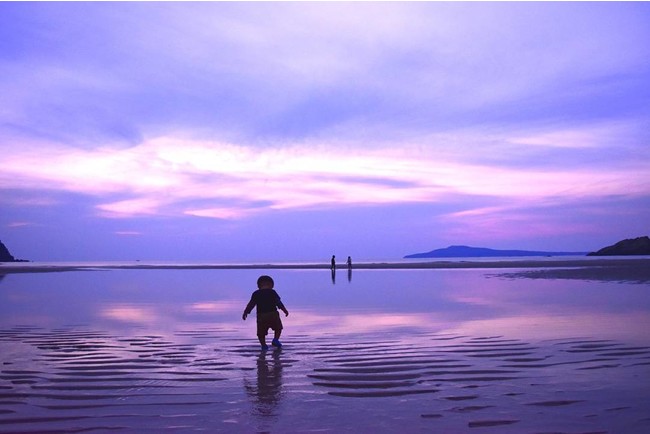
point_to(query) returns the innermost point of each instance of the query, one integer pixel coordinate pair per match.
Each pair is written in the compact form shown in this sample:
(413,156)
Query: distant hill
(483,252)
(5,256)
(633,246)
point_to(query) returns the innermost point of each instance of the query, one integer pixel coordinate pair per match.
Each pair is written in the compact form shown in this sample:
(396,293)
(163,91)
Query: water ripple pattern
(75,379)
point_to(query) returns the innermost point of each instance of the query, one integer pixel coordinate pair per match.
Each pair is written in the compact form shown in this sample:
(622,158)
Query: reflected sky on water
(459,301)
(382,351)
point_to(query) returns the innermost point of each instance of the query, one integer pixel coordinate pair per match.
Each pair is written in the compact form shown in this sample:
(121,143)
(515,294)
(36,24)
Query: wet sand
(635,272)
(78,379)
(179,374)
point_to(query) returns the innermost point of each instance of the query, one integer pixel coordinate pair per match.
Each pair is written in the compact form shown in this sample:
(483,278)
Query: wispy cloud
(19,224)
(128,233)
(497,112)
(207,179)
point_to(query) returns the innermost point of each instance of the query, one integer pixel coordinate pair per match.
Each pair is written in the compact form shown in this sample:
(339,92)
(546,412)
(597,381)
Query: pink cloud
(220,213)
(169,175)
(20,224)
(130,208)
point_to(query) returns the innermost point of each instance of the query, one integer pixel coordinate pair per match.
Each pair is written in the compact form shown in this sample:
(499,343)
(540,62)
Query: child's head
(265,282)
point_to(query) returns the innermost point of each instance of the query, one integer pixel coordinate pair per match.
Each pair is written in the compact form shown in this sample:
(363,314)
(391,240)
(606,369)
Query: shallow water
(380,350)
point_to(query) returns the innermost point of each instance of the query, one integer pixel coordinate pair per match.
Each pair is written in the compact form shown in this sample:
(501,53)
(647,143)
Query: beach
(449,197)
(431,347)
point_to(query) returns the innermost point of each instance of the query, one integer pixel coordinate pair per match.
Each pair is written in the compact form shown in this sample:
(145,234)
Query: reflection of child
(267,302)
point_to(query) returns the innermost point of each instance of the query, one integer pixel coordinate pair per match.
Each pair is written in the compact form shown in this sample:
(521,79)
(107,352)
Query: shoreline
(636,263)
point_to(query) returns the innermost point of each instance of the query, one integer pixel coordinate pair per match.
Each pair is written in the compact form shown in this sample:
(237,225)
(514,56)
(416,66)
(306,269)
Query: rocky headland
(630,247)
(5,256)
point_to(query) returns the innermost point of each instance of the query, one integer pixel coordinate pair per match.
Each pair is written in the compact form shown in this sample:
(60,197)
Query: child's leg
(262,331)
(276,338)
(277,327)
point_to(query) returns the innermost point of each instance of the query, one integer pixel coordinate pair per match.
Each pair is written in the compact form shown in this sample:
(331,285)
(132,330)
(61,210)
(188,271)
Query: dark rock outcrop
(5,256)
(482,252)
(631,247)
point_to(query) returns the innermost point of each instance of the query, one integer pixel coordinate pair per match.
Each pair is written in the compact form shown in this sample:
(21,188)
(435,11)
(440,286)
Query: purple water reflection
(386,351)
(462,301)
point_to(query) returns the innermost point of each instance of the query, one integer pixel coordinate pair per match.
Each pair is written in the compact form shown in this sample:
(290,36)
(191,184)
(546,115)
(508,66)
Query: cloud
(131,71)
(128,233)
(129,208)
(180,176)
(20,224)
(230,111)
(220,213)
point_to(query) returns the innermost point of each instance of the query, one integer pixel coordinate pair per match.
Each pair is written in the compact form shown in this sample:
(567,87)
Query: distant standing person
(333,262)
(349,263)
(268,302)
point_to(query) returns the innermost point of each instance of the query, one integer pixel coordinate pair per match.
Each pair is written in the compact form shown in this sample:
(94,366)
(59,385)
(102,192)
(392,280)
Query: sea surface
(411,350)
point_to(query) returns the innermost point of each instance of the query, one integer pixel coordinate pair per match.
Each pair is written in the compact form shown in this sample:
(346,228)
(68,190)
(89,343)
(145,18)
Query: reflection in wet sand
(76,378)
(266,391)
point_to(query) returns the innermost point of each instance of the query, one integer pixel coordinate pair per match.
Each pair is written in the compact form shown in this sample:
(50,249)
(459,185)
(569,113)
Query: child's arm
(281,307)
(249,308)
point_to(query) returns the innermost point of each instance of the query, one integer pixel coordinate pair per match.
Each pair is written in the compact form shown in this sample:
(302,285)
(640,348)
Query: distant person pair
(333,262)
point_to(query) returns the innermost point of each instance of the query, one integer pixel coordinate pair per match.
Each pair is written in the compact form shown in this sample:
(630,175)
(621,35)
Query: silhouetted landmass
(631,247)
(483,252)
(5,256)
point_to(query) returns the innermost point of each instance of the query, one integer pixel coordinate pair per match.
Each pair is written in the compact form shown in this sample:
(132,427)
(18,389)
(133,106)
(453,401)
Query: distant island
(630,247)
(483,252)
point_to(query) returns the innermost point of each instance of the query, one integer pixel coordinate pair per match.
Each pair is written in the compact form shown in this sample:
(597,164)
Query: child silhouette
(267,302)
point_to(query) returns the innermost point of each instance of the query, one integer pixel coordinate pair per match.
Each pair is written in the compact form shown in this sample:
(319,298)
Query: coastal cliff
(630,247)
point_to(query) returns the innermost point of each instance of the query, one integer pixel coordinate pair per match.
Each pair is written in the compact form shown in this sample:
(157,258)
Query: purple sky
(294,131)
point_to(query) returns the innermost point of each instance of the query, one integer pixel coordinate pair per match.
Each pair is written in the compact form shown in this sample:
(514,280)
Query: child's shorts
(268,320)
